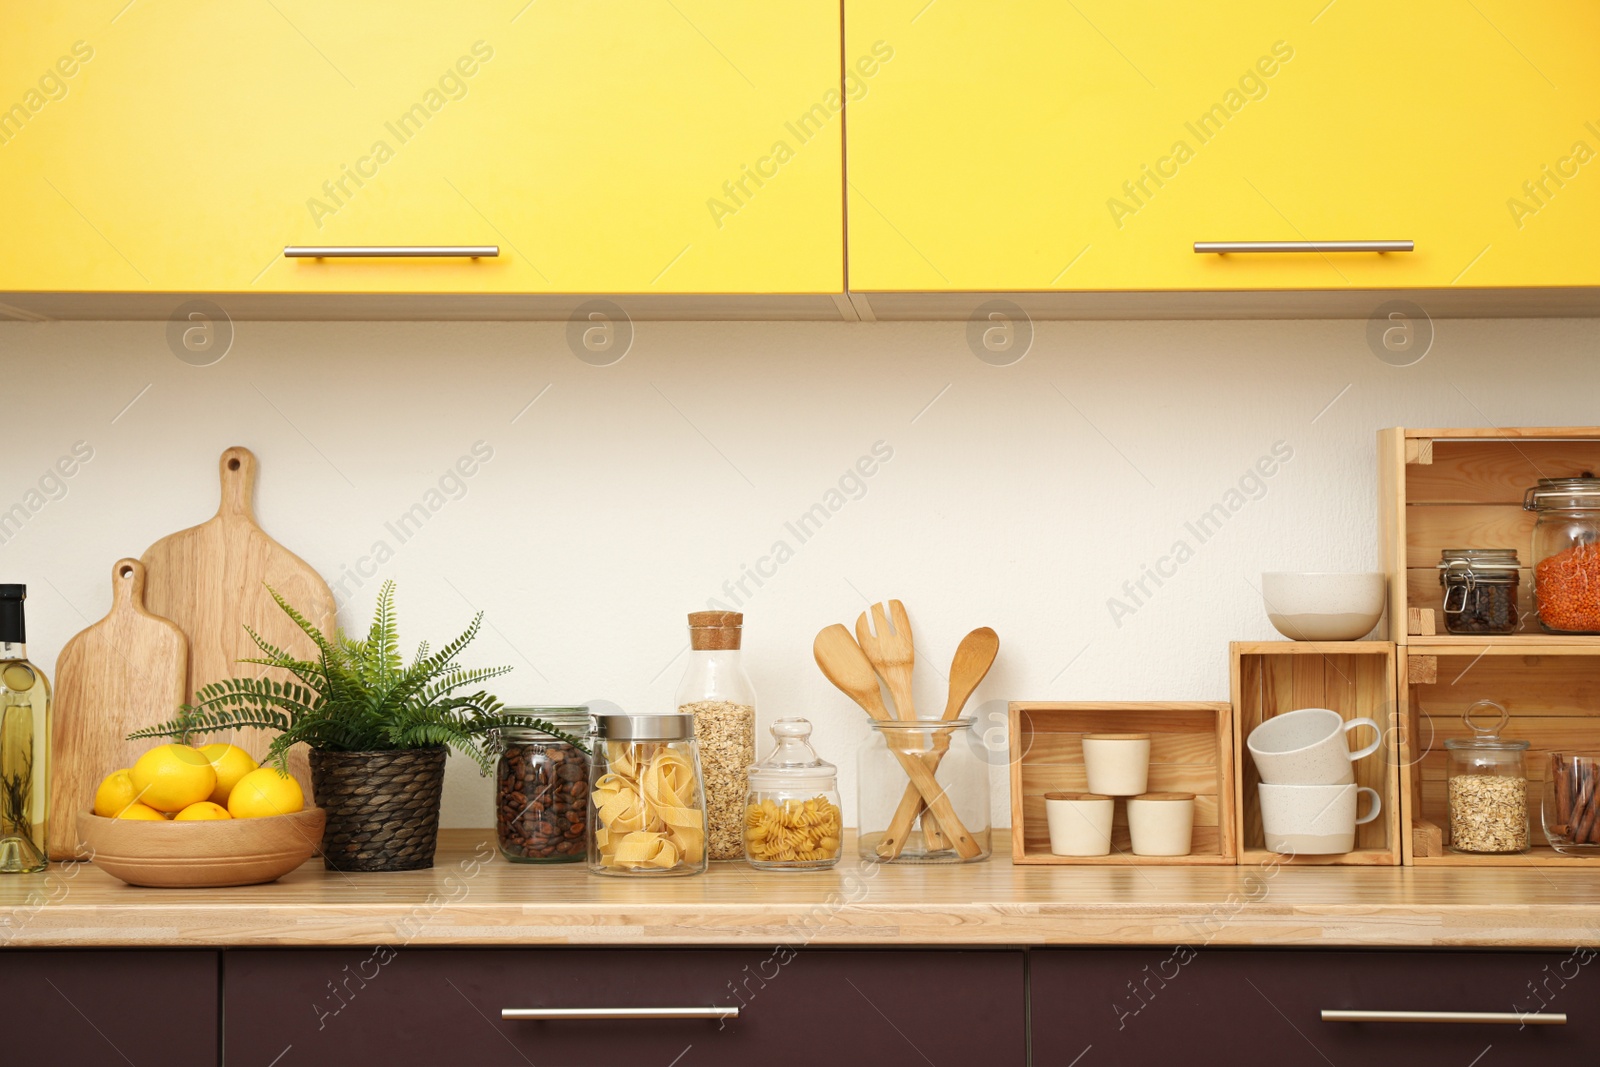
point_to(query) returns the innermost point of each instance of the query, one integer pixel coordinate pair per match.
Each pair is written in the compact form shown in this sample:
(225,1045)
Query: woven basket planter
(383,807)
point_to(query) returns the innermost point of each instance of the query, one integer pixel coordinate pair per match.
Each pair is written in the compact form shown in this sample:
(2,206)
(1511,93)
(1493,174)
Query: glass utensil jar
(717,692)
(1570,807)
(1566,553)
(1488,786)
(791,818)
(647,807)
(896,826)
(542,788)
(1480,590)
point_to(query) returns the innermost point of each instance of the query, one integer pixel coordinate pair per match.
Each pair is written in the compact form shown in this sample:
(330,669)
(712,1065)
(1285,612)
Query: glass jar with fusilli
(791,818)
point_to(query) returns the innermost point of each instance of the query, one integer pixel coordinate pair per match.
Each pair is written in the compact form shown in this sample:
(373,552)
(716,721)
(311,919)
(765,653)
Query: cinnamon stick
(1563,787)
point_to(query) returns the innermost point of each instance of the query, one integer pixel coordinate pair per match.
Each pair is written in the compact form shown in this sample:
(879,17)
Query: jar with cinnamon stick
(1570,808)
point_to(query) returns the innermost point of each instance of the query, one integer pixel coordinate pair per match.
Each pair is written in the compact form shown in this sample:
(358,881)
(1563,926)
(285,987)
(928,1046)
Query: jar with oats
(717,692)
(1487,785)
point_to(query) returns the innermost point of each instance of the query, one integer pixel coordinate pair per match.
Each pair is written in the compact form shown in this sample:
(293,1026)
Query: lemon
(265,791)
(171,777)
(201,812)
(141,811)
(114,793)
(231,764)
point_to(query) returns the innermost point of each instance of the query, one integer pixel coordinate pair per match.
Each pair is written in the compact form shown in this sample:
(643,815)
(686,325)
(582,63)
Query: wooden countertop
(472,897)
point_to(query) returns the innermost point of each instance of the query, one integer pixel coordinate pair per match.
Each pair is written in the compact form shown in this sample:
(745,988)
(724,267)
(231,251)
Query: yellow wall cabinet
(626,146)
(1039,146)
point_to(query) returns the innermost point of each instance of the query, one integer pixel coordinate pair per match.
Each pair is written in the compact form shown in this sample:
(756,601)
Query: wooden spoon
(891,652)
(973,658)
(847,667)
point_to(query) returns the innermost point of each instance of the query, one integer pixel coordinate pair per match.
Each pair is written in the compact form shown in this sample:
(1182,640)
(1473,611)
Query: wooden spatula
(891,652)
(847,667)
(973,658)
(212,581)
(127,671)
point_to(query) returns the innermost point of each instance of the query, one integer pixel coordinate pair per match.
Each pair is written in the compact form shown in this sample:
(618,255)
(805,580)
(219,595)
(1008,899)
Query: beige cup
(1161,824)
(1118,765)
(1080,823)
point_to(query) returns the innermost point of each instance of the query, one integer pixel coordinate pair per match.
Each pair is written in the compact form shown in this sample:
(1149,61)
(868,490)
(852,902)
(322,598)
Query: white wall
(1023,498)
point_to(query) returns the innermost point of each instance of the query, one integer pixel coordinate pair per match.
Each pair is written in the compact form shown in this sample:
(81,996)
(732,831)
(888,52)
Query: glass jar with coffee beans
(542,787)
(1480,590)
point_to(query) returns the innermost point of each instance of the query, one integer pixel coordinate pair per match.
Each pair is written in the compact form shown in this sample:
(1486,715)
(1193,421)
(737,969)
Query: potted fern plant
(379,731)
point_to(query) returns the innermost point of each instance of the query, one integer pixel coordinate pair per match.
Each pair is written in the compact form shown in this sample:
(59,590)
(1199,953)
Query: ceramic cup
(1118,765)
(1080,823)
(1313,820)
(1161,824)
(1308,747)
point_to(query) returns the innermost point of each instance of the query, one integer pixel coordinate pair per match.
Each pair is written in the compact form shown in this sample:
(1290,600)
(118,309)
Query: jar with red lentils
(1566,553)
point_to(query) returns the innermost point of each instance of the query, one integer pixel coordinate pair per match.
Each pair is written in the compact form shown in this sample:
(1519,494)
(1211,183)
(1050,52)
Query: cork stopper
(713,631)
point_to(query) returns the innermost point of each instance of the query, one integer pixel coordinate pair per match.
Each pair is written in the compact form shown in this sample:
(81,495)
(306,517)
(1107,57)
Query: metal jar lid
(570,719)
(620,726)
(1558,494)
(1474,565)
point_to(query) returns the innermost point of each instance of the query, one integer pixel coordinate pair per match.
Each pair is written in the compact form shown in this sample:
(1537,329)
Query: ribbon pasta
(648,810)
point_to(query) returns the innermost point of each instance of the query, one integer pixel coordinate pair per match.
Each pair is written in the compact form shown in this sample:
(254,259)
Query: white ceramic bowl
(1311,606)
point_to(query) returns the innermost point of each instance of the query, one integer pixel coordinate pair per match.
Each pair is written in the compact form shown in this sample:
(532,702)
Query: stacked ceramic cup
(1308,791)
(1118,765)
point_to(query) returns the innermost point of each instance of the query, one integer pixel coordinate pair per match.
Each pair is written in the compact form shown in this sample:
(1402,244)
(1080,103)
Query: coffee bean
(541,803)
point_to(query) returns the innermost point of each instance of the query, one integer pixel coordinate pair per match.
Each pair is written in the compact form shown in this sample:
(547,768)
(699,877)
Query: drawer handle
(619,1013)
(391,251)
(1502,1018)
(1224,247)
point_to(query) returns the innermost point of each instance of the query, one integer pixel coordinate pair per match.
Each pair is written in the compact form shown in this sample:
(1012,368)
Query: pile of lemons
(186,784)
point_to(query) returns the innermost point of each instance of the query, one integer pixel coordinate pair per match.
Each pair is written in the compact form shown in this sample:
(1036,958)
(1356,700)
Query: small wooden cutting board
(212,581)
(127,671)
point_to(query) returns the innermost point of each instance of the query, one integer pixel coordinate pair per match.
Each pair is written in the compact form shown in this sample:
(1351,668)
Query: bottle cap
(713,631)
(13,627)
(793,763)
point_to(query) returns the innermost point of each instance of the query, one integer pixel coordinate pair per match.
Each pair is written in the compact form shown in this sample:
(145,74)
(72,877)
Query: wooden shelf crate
(1442,489)
(1355,679)
(1191,751)
(1553,695)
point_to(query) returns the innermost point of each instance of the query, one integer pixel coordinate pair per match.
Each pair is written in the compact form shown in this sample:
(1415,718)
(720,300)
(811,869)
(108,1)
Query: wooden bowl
(202,855)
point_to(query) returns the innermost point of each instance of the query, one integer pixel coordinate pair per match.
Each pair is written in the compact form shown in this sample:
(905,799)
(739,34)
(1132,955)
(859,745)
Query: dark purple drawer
(438,1006)
(109,1007)
(1129,1007)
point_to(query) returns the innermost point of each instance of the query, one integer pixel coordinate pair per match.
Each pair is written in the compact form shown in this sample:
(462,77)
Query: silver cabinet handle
(390,251)
(1533,1018)
(619,1013)
(1224,247)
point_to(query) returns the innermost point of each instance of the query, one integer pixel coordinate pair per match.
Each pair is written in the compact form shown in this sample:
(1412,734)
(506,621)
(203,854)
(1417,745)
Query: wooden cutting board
(125,672)
(212,581)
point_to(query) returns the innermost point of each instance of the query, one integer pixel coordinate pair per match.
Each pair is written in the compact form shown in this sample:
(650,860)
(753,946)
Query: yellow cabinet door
(1041,145)
(661,146)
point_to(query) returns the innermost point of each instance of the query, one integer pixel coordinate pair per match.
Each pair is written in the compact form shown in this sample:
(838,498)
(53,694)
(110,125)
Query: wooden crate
(1353,678)
(1443,489)
(1553,695)
(1191,751)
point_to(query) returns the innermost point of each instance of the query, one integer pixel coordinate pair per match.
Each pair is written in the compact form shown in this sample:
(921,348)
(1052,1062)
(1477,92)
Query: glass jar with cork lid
(717,692)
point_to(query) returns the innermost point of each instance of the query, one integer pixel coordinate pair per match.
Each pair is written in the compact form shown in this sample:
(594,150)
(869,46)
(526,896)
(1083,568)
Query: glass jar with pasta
(647,806)
(791,817)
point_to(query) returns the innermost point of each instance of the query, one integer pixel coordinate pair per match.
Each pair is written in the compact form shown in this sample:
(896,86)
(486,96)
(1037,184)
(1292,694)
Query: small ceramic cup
(1161,824)
(1308,747)
(1313,820)
(1118,765)
(1080,823)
